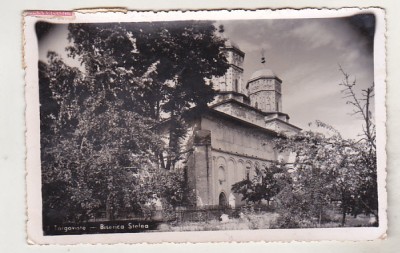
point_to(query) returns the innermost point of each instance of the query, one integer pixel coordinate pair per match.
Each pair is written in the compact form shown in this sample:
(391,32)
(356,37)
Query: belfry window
(236,87)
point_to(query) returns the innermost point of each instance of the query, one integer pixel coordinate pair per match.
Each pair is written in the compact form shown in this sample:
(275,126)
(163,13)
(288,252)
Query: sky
(304,53)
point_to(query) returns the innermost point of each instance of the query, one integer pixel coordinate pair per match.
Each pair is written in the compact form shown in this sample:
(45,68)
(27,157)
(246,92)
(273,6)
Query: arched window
(221,174)
(248,172)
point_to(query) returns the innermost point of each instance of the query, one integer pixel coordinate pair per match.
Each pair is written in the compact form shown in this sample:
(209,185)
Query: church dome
(263,73)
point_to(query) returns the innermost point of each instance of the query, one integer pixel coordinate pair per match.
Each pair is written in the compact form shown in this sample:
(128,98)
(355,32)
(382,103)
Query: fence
(202,214)
(215,212)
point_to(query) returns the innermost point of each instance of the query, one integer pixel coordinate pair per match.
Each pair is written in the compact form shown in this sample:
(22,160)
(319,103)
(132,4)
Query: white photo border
(33,167)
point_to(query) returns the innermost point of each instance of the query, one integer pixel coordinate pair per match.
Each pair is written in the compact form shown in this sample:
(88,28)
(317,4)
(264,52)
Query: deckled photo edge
(33,177)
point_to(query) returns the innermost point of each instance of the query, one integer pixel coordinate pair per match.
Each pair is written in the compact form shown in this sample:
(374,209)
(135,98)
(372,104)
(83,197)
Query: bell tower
(232,81)
(264,89)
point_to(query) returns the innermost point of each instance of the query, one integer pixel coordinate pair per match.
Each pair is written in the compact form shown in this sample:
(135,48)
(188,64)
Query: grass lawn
(251,221)
(263,220)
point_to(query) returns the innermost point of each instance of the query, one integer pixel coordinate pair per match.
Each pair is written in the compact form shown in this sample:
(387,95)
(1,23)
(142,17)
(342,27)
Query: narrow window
(247,173)
(236,88)
(221,175)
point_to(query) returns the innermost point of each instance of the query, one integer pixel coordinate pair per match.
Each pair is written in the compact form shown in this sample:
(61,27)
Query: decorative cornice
(234,93)
(249,107)
(284,122)
(243,122)
(236,67)
(241,155)
(265,90)
(262,77)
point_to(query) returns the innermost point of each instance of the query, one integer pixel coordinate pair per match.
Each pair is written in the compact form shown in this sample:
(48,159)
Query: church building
(233,138)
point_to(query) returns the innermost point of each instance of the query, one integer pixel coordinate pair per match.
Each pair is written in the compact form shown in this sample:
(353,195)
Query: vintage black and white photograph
(206,124)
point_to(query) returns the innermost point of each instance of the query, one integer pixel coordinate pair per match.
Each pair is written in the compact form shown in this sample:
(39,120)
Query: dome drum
(264,89)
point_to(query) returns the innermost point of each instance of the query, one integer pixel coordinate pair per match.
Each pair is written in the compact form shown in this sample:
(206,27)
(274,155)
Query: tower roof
(229,44)
(267,73)
(262,73)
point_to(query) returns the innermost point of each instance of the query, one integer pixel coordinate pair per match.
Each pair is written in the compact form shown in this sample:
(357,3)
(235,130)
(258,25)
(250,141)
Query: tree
(362,107)
(167,62)
(330,168)
(321,162)
(92,150)
(100,123)
(266,184)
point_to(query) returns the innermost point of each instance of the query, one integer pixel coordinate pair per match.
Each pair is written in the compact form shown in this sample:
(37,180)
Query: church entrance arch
(222,200)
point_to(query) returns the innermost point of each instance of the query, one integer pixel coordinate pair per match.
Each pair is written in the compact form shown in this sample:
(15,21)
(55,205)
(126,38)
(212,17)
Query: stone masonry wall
(235,151)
